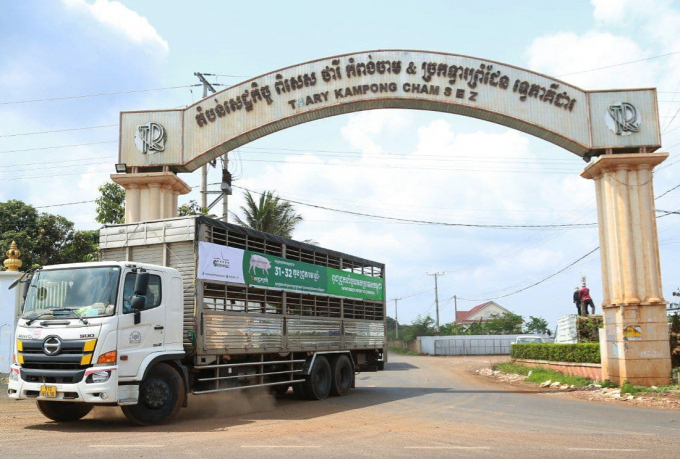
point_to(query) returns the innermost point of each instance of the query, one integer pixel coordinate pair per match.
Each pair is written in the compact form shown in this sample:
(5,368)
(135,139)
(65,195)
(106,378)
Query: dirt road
(427,406)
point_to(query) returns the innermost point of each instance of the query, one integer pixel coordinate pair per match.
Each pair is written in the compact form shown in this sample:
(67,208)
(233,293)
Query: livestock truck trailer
(193,305)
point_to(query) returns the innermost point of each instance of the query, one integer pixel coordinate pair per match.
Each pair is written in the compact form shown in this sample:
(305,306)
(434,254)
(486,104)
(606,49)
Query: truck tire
(342,374)
(318,384)
(64,411)
(161,395)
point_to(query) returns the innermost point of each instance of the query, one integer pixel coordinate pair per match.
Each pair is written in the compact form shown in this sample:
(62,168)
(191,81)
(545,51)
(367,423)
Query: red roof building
(481,311)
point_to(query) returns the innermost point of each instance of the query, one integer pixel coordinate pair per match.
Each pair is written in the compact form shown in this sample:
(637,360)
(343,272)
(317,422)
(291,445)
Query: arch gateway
(618,128)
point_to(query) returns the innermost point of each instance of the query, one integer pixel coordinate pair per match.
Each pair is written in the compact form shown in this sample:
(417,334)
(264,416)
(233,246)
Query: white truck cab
(90,332)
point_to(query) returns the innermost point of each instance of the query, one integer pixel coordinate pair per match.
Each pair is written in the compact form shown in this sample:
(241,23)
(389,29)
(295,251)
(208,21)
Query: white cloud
(611,11)
(123,20)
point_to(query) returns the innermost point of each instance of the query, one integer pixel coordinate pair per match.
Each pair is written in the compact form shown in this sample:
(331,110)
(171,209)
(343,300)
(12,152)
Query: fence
(469,344)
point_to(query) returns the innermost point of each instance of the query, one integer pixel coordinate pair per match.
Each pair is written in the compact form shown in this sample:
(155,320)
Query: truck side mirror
(138,302)
(25,287)
(141,284)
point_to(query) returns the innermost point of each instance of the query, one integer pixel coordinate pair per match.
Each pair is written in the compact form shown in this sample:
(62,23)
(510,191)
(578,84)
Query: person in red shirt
(586,300)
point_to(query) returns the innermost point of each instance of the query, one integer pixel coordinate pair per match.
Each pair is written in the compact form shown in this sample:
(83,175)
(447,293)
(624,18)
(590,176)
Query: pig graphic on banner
(257,261)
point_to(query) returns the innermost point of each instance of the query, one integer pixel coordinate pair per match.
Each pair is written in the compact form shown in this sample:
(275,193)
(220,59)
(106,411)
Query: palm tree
(271,214)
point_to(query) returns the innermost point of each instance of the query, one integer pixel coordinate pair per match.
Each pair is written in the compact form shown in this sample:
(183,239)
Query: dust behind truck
(195,305)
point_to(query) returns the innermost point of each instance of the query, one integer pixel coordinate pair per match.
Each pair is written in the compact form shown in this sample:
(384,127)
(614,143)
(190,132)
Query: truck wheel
(317,385)
(161,396)
(63,411)
(342,373)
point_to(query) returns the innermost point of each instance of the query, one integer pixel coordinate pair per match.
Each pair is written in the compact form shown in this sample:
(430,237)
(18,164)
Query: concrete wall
(469,344)
(9,311)
(413,346)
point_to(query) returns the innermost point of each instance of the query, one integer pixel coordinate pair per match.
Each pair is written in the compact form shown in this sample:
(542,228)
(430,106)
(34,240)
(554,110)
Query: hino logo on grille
(52,345)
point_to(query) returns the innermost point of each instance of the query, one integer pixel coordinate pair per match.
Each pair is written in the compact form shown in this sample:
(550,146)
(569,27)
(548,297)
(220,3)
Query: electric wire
(60,130)
(83,96)
(435,223)
(619,64)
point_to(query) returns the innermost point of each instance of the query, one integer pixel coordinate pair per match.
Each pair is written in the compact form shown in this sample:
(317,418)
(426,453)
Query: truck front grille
(73,355)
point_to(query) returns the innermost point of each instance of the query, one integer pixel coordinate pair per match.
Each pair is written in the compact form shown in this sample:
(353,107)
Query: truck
(194,305)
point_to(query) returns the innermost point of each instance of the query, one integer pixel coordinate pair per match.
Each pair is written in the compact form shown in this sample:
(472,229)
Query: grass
(539,375)
(631,389)
(401,350)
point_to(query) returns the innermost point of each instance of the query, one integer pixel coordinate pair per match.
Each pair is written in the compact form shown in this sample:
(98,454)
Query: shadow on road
(213,414)
(399,366)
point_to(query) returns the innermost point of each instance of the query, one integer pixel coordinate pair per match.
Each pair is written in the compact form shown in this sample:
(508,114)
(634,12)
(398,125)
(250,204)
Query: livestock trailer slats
(226,318)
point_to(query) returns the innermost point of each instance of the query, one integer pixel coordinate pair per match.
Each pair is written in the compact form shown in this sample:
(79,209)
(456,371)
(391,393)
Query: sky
(439,167)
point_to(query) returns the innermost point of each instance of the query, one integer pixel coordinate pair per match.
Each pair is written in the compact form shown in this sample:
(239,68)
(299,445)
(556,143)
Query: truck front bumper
(83,391)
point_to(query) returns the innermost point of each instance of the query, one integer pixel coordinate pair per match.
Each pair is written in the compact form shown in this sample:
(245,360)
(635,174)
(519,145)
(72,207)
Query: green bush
(588,329)
(577,353)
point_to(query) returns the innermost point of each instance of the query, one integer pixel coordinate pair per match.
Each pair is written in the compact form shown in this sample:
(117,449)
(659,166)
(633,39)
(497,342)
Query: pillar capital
(627,161)
(149,195)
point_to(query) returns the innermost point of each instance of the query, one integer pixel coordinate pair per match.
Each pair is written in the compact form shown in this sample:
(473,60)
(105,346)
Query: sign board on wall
(584,122)
(229,264)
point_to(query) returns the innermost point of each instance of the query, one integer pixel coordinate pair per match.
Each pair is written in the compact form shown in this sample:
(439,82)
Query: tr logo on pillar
(150,138)
(623,118)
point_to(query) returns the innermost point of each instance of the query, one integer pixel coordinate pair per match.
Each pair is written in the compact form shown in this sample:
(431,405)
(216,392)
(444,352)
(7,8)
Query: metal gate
(472,346)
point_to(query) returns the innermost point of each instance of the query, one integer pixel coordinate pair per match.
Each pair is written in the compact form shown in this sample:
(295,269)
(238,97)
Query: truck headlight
(13,374)
(100,376)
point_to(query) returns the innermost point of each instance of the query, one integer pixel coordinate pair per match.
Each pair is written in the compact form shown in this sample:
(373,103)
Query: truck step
(127,401)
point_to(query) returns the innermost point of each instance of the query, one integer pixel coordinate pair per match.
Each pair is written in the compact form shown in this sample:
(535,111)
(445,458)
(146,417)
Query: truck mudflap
(48,388)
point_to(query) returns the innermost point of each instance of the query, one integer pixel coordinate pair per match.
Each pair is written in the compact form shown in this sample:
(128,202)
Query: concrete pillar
(150,195)
(635,323)
(175,196)
(132,203)
(155,203)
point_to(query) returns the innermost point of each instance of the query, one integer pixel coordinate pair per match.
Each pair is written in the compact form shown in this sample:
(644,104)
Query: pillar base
(637,344)
(150,195)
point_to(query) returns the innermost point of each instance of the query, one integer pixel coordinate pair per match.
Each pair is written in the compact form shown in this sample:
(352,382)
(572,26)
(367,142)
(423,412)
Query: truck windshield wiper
(51,311)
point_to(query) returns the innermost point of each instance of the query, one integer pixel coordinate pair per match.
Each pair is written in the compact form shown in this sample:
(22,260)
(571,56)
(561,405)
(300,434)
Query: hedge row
(577,353)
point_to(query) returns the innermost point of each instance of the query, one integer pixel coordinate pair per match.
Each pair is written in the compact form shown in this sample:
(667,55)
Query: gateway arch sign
(619,127)
(584,122)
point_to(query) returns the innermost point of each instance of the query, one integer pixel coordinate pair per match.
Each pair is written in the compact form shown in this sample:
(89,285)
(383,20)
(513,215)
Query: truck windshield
(72,293)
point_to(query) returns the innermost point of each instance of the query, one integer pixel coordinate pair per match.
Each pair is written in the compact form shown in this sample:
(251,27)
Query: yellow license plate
(48,391)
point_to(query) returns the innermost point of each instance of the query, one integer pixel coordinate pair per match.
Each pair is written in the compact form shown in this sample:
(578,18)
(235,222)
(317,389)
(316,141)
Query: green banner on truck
(229,264)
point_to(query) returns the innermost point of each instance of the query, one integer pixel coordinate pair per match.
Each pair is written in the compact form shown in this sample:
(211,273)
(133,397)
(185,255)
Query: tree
(191,208)
(83,247)
(536,325)
(111,204)
(43,238)
(503,324)
(270,214)
(421,326)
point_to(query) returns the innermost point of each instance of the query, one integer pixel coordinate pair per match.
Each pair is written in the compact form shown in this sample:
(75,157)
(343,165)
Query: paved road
(420,406)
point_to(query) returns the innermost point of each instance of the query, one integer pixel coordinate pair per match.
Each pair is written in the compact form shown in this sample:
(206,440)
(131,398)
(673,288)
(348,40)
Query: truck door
(135,342)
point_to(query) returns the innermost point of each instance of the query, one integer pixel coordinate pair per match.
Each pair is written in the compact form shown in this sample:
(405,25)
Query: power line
(60,130)
(618,65)
(413,294)
(83,96)
(667,191)
(58,146)
(536,283)
(57,162)
(470,225)
(65,204)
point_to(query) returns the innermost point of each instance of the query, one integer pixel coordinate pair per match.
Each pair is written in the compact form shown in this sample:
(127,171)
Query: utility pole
(436,293)
(204,169)
(396,317)
(455,308)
